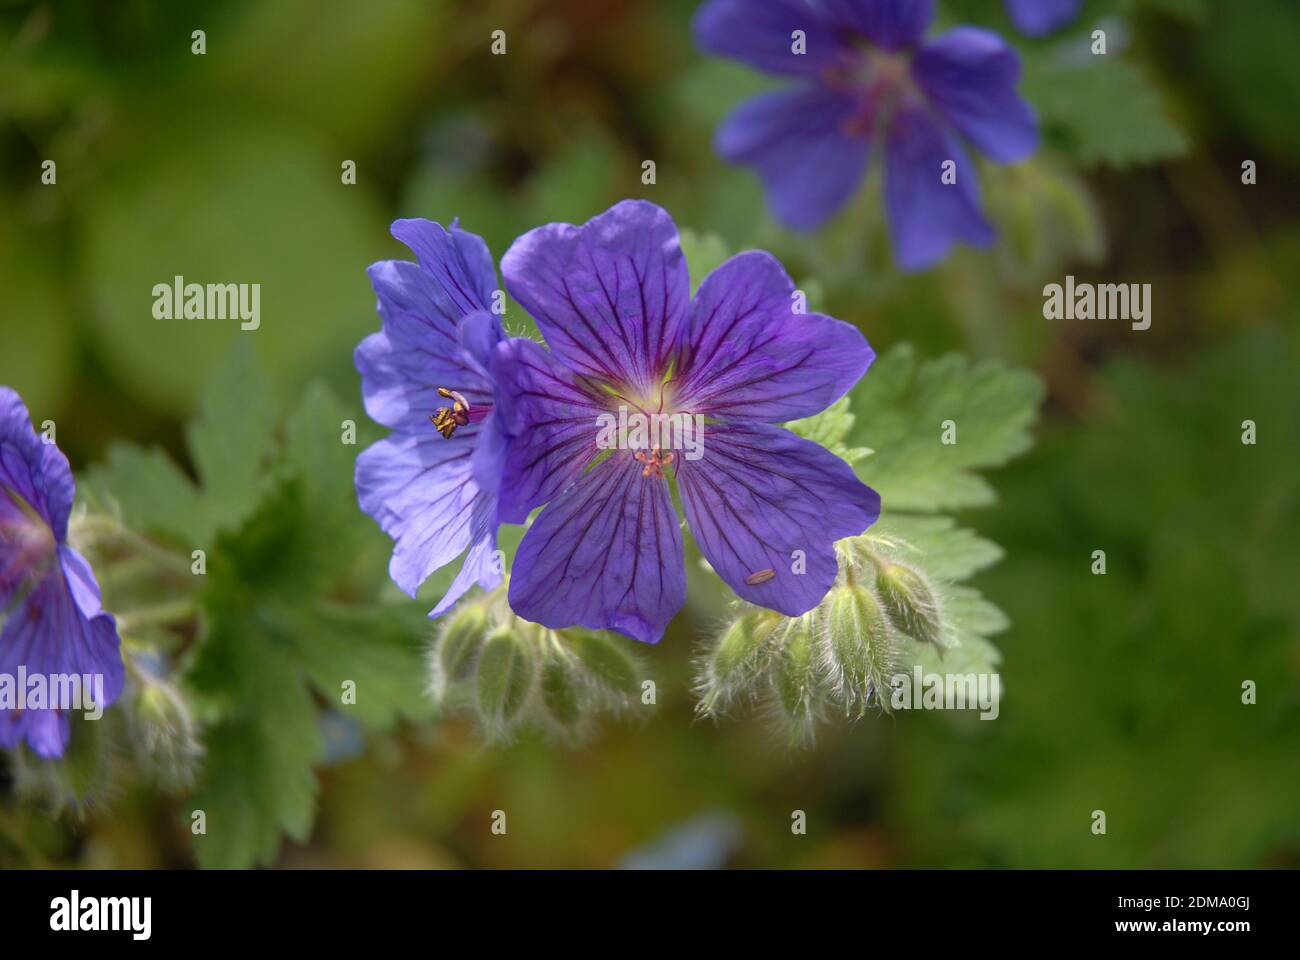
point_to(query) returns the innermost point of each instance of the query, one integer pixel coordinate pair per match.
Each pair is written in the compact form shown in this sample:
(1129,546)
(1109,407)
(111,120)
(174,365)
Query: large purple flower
(866,79)
(613,300)
(54,623)
(432,483)
(1037,18)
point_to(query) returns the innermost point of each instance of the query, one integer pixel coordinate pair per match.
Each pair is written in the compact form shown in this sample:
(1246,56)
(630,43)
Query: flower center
(27,545)
(879,81)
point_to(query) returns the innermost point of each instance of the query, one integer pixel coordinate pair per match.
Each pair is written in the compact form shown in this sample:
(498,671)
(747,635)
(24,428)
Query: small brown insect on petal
(760,576)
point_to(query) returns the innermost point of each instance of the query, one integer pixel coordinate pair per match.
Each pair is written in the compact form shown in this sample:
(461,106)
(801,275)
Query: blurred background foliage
(1123,692)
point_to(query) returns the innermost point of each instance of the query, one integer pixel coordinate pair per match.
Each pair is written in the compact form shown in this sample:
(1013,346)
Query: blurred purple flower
(1037,18)
(612,299)
(865,77)
(432,483)
(55,624)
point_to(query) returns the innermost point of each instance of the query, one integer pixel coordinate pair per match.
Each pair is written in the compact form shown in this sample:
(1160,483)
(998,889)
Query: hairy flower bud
(795,679)
(506,670)
(163,733)
(740,656)
(512,674)
(560,690)
(910,602)
(460,642)
(859,648)
(607,660)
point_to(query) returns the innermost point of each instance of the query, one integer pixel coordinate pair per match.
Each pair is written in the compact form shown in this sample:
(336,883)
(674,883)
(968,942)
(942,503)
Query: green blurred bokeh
(1124,691)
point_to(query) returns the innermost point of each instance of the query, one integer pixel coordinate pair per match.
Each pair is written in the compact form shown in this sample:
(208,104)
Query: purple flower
(612,299)
(914,100)
(1037,18)
(55,625)
(432,483)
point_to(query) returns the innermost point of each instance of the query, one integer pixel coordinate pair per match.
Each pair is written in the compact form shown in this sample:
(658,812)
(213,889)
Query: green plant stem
(162,614)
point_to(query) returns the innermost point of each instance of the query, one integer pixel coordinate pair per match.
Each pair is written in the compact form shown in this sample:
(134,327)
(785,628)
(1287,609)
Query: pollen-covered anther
(654,462)
(447,419)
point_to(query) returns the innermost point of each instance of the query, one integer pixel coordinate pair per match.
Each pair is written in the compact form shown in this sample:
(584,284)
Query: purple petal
(479,333)
(421,490)
(458,262)
(418,350)
(609,296)
(46,731)
(59,628)
(748,355)
(761,34)
(605,554)
(491,448)
(1037,18)
(482,564)
(805,148)
(927,216)
(892,24)
(551,422)
(970,76)
(36,471)
(766,508)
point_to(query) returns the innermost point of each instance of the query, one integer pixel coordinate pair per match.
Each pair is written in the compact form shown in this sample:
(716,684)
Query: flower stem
(162,614)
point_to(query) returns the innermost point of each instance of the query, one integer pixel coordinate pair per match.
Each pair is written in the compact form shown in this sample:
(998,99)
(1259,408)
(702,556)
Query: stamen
(447,419)
(654,462)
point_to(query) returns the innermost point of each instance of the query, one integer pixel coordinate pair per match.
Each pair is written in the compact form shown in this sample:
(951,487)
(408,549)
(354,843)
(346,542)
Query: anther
(447,419)
(654,462)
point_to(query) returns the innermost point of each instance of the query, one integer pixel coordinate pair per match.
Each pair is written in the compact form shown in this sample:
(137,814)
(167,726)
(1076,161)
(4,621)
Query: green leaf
(315,451)
(1107,112)
(258,781)
(972,615)
(901,408)
(231,439)
(286,625)
(342,546)
(974,655)
(945,550)
(831,429)
(150,492)
(379,649)
(230,444)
